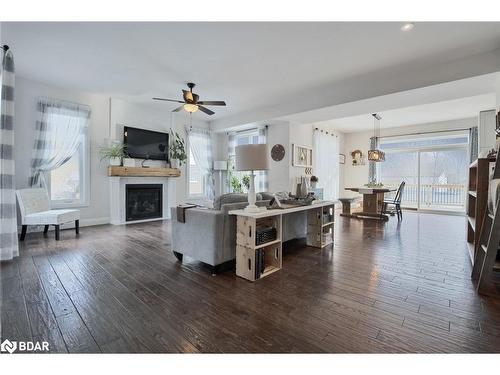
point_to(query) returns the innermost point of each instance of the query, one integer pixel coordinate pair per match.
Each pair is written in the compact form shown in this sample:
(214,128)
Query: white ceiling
(251,66)
(420,114)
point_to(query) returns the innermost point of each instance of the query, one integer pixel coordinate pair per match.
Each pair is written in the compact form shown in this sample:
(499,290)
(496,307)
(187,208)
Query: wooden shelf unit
(320,223)
(246,249)
(320,226)
(477,199)
(142,172)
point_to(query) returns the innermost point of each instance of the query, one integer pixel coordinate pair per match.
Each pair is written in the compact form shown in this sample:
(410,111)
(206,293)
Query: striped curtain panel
(58,136)
(9,247)
(261,177)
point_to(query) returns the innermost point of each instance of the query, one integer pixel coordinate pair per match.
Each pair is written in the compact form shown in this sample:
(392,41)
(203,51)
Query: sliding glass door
(434,169)
(443,176)
(401,166)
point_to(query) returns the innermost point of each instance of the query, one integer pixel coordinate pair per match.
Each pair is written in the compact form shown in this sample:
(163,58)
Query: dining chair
(396,202)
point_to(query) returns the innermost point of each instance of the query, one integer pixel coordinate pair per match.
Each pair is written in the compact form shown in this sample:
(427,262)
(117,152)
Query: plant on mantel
(114,152)
(177,150)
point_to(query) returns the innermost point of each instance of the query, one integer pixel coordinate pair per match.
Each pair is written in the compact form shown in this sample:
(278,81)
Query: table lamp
(251,158)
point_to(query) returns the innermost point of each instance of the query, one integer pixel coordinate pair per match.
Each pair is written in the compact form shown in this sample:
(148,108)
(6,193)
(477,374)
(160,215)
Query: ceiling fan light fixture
(408,26)
(191,108)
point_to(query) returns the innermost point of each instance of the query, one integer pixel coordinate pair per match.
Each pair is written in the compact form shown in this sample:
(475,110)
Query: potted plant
(314,181)
(113,152)
(177,150)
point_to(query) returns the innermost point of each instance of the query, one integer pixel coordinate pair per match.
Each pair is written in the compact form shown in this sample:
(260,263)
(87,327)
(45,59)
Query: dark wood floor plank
(381,288)
(76,334)
(15,322)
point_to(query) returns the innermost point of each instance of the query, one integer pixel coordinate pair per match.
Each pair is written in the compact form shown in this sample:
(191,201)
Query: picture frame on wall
(302,156)
(341,159)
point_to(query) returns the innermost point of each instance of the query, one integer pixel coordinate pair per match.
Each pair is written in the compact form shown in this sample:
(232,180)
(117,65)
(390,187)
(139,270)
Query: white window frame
(243,133)
(188,172)
(84,201)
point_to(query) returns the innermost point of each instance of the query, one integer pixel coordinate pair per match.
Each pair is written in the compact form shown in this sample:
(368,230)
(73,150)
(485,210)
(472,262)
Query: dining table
(373,197)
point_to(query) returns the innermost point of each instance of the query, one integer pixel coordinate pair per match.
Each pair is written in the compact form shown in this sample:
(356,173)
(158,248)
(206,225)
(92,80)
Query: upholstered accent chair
(35,210)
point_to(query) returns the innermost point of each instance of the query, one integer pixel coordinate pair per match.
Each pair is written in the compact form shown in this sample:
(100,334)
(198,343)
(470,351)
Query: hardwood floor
(383,287)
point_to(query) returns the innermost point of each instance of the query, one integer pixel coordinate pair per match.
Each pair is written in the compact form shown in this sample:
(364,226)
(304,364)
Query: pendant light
(375,154)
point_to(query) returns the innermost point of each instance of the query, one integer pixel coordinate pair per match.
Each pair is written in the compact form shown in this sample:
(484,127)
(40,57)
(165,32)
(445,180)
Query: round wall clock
(278,152)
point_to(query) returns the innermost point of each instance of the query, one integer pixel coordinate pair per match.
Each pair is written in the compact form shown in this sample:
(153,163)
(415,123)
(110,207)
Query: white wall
(497,92)
(279,173)
(104,124)
(355,176)
(282,175)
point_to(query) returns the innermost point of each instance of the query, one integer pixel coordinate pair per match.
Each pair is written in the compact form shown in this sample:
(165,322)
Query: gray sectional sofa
(209,235)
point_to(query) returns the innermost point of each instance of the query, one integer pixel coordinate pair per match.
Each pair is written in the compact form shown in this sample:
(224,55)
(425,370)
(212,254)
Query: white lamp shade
(251,157)
(220,165)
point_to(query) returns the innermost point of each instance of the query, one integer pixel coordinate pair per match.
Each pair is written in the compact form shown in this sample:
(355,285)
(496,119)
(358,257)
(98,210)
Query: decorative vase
(115,161)
(303,187)
(174,163)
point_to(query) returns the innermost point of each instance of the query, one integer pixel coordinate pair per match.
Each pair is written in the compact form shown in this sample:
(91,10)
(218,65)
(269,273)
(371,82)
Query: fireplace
(143,201)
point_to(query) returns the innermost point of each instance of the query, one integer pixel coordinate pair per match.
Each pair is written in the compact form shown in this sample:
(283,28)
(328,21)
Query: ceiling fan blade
(206,110)
(212,102)
(168,100)
(188,95)
(178,109)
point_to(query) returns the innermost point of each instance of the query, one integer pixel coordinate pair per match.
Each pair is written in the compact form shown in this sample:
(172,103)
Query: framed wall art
(302,156)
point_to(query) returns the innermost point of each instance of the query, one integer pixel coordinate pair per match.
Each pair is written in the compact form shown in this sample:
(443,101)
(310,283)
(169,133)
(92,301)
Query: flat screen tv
(145,144)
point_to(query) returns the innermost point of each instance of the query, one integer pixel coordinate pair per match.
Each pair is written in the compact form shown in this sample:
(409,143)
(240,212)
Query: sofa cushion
(266,196)
(231,198)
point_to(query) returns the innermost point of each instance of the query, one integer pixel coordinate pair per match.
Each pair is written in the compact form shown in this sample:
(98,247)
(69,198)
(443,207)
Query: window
(239,181)
(434,168)
(69,184)
(195,176)
(61,152)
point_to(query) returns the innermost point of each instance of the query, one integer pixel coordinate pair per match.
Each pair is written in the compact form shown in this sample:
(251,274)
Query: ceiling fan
(191,103)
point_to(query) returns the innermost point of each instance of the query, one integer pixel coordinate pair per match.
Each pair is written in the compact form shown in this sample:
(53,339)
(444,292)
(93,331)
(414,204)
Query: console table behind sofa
(320,220)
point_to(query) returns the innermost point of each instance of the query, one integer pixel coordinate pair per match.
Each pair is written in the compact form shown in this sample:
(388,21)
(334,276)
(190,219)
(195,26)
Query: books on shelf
(259,263)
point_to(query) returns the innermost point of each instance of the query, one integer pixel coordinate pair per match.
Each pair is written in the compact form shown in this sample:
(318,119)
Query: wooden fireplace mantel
(143,172)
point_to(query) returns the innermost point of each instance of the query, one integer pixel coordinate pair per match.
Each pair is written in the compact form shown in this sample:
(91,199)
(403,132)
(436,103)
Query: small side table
(346,205)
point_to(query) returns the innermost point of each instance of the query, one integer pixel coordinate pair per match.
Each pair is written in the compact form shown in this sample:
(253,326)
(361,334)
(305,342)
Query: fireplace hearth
(143,201)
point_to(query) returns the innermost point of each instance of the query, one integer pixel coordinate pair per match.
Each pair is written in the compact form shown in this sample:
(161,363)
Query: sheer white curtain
(326,163)
(200,143)
(58,135)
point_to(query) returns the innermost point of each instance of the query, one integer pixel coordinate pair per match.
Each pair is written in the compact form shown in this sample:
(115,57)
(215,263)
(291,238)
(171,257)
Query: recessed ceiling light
(407,26)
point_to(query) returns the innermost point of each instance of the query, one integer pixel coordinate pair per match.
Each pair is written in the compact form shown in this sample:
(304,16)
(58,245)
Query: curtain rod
(429,132)
(248,130)
(329,133)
